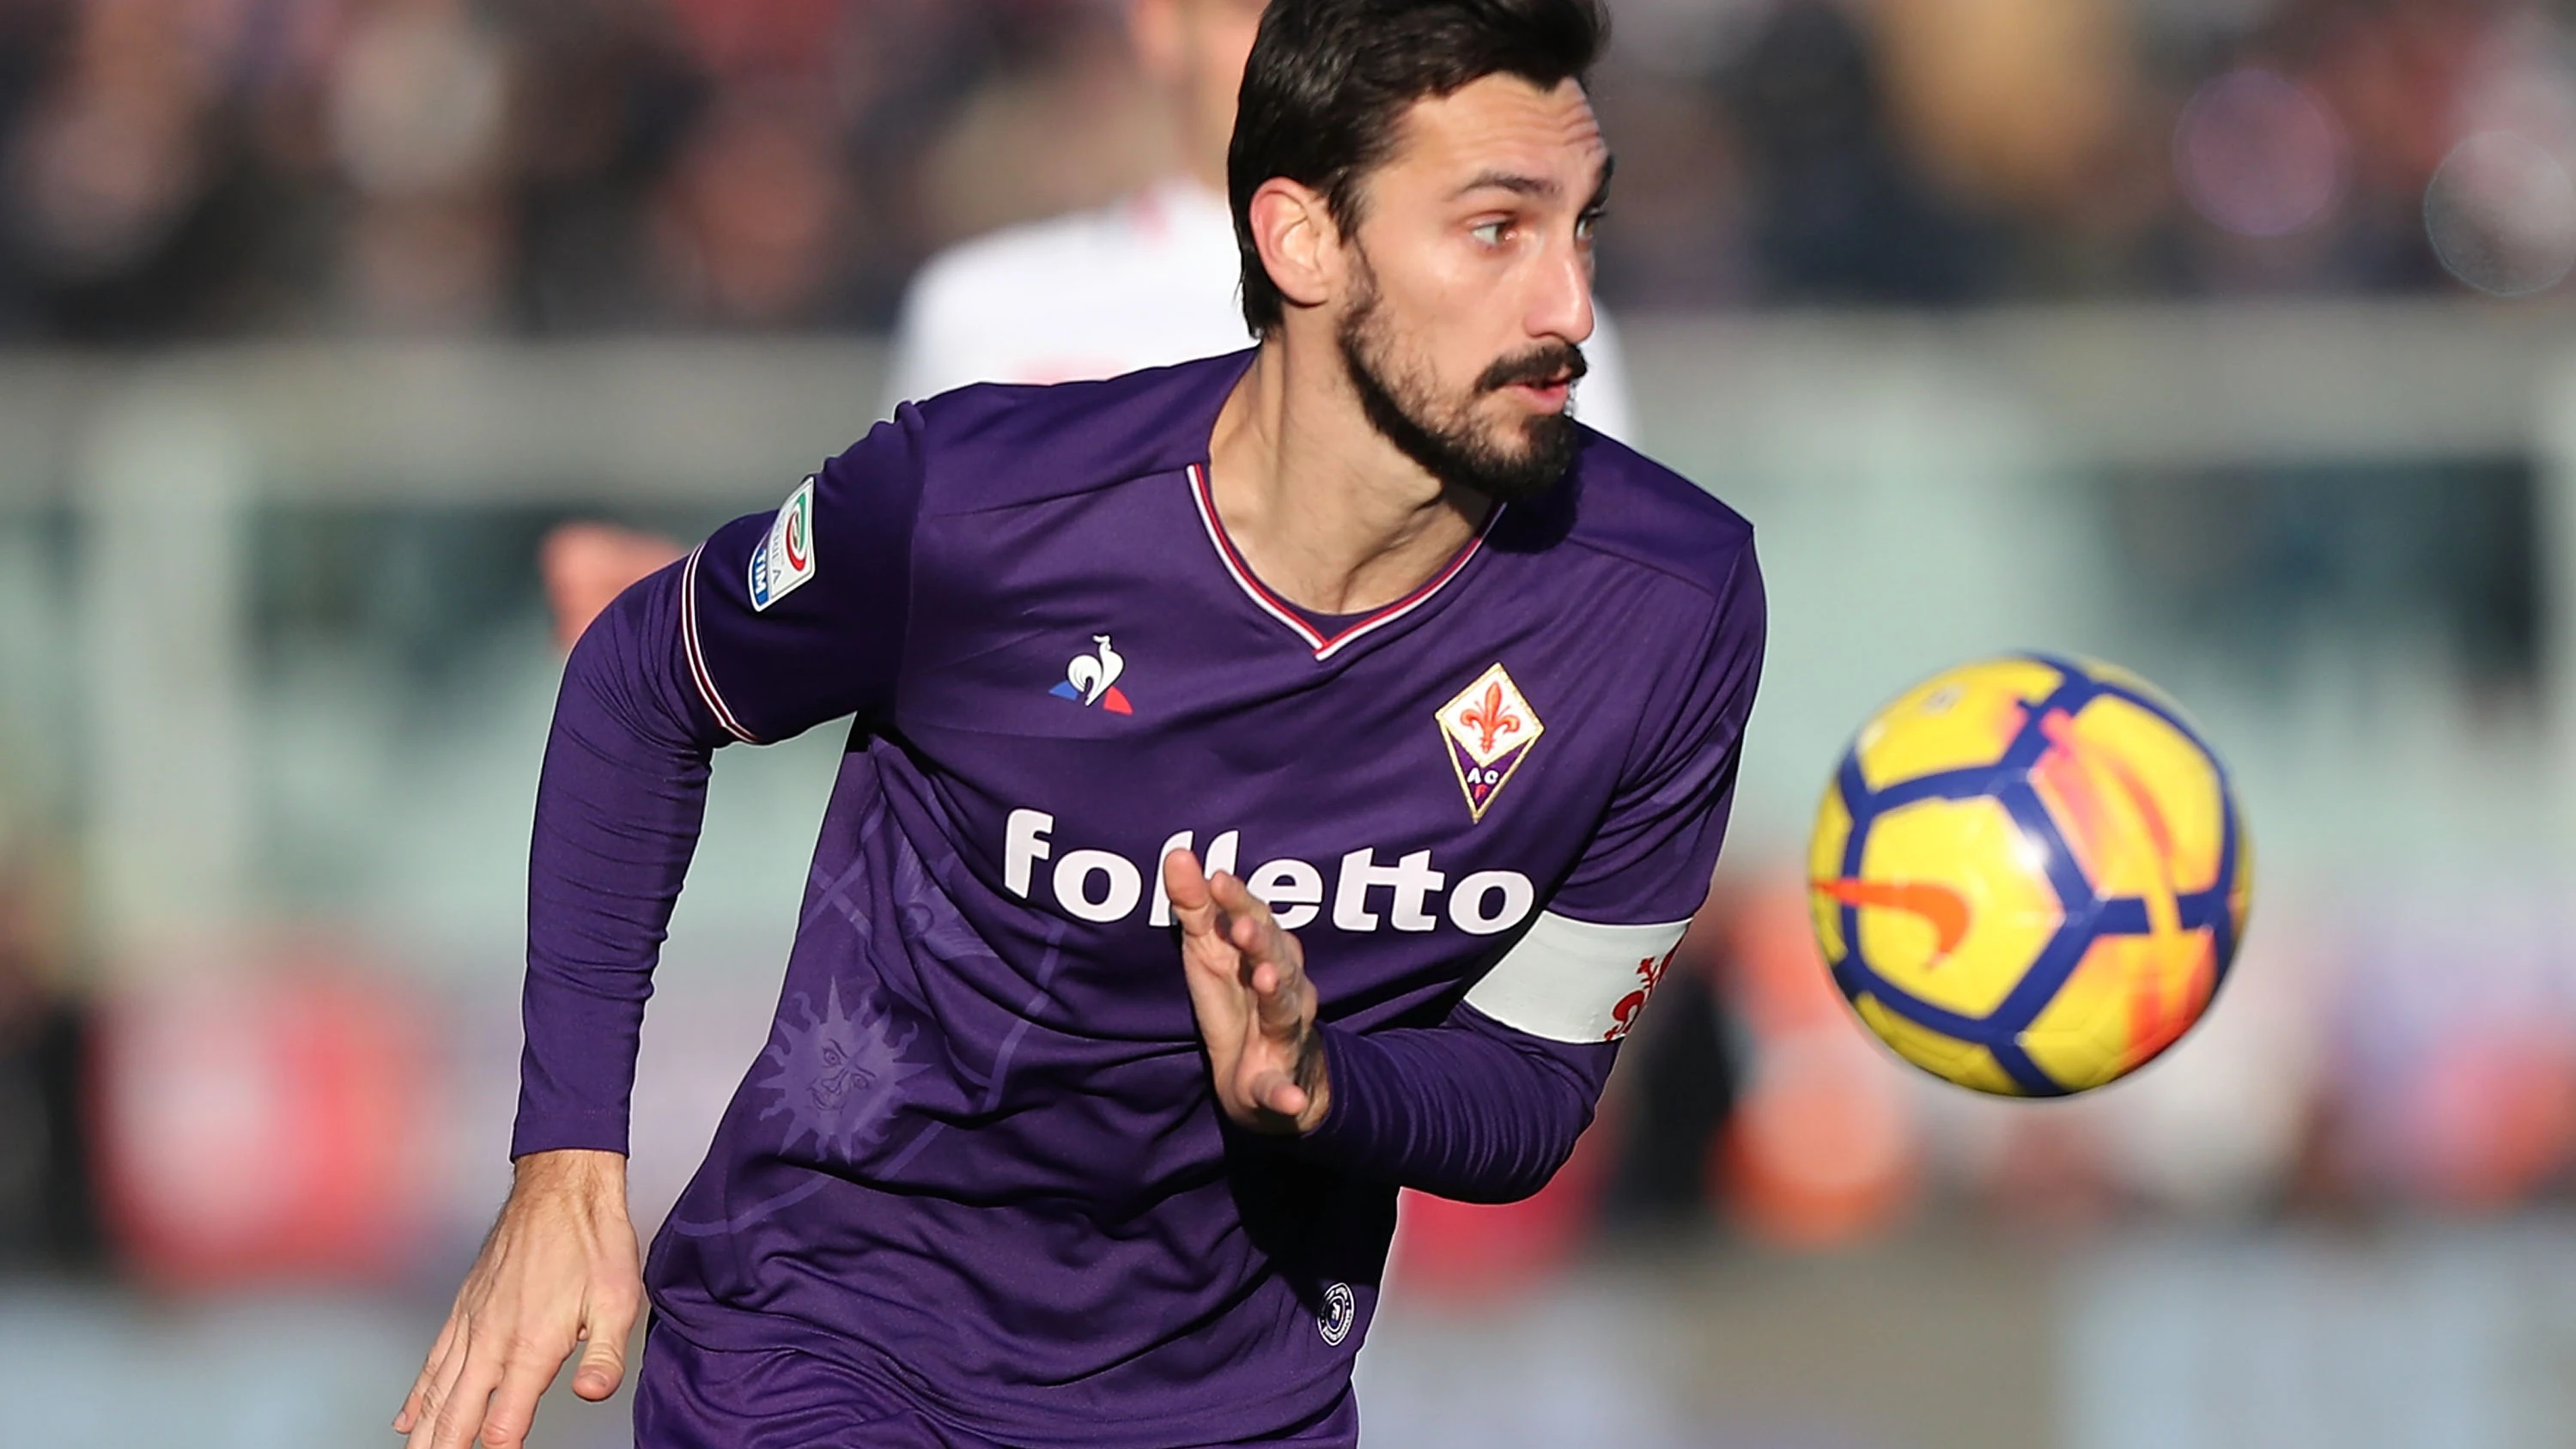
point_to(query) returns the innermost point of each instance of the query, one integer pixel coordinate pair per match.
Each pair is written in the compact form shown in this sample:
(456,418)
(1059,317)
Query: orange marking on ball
(1945,908)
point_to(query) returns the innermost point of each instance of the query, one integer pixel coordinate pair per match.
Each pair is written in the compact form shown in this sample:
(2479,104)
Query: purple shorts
(688,1397)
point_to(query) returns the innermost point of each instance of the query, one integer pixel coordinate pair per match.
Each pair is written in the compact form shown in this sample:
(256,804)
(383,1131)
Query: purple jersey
(980,1163)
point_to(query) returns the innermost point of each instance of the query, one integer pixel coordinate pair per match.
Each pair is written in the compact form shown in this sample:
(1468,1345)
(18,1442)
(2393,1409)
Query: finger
(1275,1091)
(1253,930)
(441,1387)
(1280,1001)
(409,1413)
(513,1409)
(1236,899)
(460,1416)
(1273,963)
(603,1353)
(1244,933)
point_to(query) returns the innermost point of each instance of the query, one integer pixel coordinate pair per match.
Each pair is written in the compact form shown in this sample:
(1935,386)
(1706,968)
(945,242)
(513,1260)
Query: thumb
(1186,886)
(603,1354)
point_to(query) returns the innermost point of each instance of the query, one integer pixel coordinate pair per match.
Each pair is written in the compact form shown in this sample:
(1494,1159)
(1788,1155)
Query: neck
(1325,511)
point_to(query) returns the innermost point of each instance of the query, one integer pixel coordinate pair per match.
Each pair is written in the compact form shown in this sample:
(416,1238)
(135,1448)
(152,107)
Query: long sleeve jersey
(980,1161)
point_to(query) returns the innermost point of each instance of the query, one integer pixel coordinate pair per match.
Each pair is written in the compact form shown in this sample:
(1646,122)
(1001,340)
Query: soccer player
(1277,779)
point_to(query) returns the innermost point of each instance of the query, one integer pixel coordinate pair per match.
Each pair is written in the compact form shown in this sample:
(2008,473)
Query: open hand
(559,1273)
(1256,1009)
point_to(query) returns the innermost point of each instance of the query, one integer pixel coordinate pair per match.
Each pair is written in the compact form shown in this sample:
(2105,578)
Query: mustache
(1541,366)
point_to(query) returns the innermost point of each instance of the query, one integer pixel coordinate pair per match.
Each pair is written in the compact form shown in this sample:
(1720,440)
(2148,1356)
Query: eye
(1586,224)
(1490,233)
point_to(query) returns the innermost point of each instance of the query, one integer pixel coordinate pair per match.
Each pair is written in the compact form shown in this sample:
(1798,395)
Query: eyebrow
(1521,185)
(1511,181)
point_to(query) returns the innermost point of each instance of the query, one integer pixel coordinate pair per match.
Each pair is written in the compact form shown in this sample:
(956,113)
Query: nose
(1560,304)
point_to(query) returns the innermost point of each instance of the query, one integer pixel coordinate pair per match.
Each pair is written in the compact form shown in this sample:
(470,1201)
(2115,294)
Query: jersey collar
(1323,646)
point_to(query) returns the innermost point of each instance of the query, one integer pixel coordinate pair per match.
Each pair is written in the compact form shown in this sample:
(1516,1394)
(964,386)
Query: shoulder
(1638,515)
(1000,445)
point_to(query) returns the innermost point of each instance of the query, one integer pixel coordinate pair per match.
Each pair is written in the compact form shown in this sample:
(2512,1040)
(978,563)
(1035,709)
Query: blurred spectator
(2009,104)
(753,222)
(47,1218)
(601,103)
(260,1117)
(1836,215)
(109,161)
(419,108)
(1148,280)
(585,566)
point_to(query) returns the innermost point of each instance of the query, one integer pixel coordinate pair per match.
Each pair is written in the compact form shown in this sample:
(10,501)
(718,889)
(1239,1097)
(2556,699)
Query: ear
(1300,246)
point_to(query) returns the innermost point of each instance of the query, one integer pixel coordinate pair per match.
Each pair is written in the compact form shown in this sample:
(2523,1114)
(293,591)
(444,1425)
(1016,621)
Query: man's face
(1471,282)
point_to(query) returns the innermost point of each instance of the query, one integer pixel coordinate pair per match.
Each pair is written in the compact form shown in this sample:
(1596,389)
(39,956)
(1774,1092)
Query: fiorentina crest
(1487,729)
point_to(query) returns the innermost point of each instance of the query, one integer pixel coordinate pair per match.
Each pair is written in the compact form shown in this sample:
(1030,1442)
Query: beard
(1504,463)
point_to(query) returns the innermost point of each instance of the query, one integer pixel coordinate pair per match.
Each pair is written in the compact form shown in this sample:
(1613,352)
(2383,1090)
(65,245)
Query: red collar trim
(1277,608)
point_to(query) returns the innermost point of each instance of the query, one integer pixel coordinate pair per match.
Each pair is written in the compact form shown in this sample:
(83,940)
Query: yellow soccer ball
(2029,875)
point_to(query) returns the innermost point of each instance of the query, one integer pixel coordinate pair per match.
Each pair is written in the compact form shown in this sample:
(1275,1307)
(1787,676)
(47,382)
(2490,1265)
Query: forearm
(1467,1110)
(618,808)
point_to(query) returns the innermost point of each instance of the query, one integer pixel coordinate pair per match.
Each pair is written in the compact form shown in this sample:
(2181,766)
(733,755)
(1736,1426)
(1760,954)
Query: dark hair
(1328,79)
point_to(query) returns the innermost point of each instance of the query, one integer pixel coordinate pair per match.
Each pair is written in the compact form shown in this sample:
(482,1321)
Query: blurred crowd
(195,167)
(181,169)
(188,168)
(1950,151)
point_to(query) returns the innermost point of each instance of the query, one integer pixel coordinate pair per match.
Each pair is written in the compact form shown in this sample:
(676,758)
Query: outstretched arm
(776,624)
(618,808)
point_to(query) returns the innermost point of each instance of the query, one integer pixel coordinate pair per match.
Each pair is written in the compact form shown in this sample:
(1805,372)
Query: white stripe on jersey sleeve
(706,681)
(1573,981)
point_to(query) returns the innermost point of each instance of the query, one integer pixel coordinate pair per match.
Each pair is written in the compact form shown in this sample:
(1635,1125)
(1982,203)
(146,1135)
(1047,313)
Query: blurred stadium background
(2224,338)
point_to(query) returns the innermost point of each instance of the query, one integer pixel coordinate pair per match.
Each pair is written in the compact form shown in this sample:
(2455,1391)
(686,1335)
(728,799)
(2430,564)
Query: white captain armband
(1573,981)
